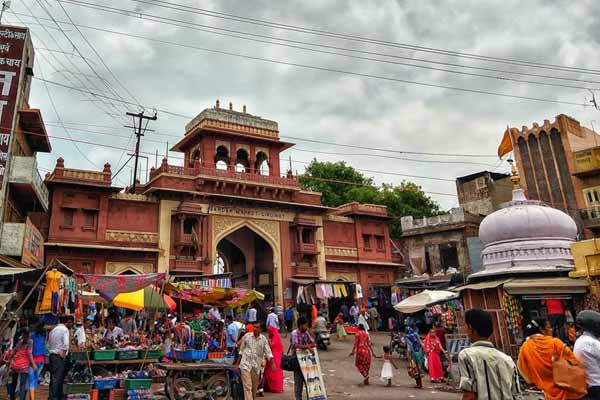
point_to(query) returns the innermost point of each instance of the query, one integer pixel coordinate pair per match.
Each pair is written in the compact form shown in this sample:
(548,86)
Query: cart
(196,381)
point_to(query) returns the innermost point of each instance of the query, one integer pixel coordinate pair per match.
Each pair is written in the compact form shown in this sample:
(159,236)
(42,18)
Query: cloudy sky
(366,105)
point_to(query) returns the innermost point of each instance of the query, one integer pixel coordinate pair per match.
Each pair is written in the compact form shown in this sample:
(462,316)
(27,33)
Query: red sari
(362,349)
(433,347)
(274,377)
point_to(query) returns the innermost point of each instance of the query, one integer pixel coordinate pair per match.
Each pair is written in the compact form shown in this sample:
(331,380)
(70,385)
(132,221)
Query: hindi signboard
(33,246)
(12,43)
(311,369)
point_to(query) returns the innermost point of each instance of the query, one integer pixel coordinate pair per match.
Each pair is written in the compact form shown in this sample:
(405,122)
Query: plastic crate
(216,355)
(151,354)
(79,355)
(75,388)
(127,355)
(191,355)
(132,384)
(105,384)
(104,355)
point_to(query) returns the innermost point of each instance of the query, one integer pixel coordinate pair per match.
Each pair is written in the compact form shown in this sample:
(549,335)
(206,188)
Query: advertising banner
(311,369)
(33,246)
(12,43)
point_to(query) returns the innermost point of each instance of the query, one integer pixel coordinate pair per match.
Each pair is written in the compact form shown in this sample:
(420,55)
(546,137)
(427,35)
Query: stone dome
(526,236)
(526,219)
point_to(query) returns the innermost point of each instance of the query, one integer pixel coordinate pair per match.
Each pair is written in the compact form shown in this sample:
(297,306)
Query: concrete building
(483,192)
(23,195)
(546,158)
(225,208)
(435,244)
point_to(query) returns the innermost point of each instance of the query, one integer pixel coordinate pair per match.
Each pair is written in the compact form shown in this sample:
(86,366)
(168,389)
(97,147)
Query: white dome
(526,219)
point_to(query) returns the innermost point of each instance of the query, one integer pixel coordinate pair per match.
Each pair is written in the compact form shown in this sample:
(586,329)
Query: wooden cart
(206,380)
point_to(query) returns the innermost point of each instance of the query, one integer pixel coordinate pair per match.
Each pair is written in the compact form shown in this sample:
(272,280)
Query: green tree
(401,200)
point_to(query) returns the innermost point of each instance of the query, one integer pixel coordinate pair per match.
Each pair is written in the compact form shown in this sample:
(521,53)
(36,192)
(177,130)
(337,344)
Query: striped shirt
(253,349)
(488,372)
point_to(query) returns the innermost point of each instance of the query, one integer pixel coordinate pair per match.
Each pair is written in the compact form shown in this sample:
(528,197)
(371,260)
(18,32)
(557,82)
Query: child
(339,326)
(386,370)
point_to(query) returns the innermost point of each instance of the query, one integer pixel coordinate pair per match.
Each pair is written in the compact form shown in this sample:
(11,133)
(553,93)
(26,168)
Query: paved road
(343,381)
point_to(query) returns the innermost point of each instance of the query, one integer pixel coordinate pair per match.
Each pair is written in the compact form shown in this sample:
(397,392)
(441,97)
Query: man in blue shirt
(232,334)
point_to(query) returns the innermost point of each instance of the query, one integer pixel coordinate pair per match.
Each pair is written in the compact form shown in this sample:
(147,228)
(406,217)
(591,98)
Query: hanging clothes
(359,292)
(300,298)
(50,298)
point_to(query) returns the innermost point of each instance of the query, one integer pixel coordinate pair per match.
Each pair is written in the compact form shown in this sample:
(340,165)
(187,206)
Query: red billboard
(12,43)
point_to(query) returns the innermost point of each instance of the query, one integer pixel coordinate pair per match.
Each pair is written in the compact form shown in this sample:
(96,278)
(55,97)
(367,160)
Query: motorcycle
(398,344)
(322,340)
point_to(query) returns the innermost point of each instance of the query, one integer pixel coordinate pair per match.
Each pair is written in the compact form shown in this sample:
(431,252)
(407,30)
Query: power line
(193,25)
(319,32)
(98,55)
(334,70)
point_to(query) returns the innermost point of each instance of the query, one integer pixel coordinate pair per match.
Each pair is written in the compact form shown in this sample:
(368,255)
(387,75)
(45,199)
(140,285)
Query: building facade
(434,245)
(23,195)
(547,164)
(224,208)
(483,192)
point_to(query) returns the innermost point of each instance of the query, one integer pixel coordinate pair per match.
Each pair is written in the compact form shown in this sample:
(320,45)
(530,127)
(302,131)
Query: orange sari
(535,364)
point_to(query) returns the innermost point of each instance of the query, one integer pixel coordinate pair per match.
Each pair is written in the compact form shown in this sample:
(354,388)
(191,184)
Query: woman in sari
(536,357)
(273,377)
(433,347)
(362,350)
(416,359)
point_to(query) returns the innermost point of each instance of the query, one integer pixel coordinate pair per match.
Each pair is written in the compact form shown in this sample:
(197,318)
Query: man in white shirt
(214,313)
(253,349)
(587,349)
(113,332)
(251,315)
(272,319)
(354,311)
(58,348)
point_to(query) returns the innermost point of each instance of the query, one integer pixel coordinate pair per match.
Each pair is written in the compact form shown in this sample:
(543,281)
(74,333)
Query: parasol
(148,298)
(423,300)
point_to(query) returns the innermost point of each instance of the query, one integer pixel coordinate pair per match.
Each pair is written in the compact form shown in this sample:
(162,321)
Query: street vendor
(113,332)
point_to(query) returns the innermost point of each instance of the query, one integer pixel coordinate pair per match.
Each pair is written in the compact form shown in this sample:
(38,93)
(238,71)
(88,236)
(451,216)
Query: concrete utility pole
(139,132)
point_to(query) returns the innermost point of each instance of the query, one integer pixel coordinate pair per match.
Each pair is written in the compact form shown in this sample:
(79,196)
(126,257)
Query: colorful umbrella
(148,298)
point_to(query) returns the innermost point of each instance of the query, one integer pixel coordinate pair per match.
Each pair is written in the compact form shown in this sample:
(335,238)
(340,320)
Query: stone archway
(250,234)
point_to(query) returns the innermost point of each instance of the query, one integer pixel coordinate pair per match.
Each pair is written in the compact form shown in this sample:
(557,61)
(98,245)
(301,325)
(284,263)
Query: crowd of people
(255,337)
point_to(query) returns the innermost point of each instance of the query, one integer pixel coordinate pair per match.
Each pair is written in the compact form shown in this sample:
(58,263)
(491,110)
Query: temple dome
(526,219)
(524,237)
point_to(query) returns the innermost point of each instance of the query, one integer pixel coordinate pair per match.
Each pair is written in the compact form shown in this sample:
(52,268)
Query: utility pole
(139,132)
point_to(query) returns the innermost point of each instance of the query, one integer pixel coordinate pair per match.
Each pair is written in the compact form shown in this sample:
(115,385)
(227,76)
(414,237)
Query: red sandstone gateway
(224,207)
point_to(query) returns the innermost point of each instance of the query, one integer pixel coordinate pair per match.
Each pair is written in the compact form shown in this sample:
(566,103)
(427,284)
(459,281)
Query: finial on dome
(516,180)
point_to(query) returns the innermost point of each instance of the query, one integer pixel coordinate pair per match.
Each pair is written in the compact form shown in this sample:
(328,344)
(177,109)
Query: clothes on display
(514,313)
(58,294)
(310,294)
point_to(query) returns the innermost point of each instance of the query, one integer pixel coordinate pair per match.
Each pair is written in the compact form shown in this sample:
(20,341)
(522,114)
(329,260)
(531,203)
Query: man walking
(272,319)
(58,347)
(373,317)
(232,331)
(587,350)
(485,372)
(301,340)
(254,348)
(354,311)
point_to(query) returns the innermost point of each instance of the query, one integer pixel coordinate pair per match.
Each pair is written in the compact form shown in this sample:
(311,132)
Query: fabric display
(109,286)
(359,292)
(514,313)
(311,294)
(58,295)
(223,283)
(588,302)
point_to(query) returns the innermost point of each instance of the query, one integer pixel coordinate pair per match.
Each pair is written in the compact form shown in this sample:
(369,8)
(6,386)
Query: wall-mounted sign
(12,43)
(33,246)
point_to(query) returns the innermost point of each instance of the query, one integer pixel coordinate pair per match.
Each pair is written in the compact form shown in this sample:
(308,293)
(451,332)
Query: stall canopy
(223,297)
(109,286)
(423,300)
(547,286)
(148,298)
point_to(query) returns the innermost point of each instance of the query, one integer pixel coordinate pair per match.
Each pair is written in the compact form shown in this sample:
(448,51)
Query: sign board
(33,246)
(311,369)
(12,43)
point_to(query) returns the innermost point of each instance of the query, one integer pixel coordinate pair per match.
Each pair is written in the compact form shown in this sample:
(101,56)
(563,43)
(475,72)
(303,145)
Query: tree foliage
(340,184)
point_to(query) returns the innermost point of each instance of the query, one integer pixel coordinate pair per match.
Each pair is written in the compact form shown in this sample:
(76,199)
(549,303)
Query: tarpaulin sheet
(109,286)
(224,297)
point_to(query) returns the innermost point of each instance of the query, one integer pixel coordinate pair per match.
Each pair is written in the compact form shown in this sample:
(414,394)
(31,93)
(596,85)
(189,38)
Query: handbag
(569,375)
(290,362)
(413,370)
